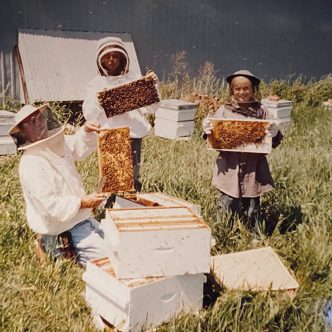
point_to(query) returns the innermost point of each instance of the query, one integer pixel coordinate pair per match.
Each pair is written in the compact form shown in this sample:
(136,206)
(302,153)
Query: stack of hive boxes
(7,145)
(280,110)
(158,251)
(175,119)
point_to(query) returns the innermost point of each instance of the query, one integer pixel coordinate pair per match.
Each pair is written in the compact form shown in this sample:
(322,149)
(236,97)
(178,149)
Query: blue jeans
(88,241)
(246,208)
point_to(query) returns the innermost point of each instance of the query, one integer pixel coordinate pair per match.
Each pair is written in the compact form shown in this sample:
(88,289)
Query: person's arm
(82,143)
(41,190)
(40,185)
(90,107)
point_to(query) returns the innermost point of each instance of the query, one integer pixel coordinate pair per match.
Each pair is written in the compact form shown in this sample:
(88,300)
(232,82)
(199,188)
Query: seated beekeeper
(57,207)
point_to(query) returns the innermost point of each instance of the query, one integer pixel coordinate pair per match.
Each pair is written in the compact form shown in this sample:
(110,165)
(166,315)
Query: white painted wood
(4,129)
(131,304)
(256,269)
(121,202)
(283,124)
(173,129)
(276,104)
(176,115)
(177,104)
(280,112)
(7,118)
(156,241)
(168,200)
(159,198)
(7,145)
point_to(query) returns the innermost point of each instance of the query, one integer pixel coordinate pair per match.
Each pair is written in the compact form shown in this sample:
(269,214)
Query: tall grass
(297,218)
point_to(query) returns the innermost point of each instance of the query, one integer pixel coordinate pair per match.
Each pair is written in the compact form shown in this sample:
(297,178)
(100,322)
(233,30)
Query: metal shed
(58,65)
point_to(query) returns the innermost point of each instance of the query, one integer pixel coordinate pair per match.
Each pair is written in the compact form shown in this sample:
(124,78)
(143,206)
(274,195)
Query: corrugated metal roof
(58,65)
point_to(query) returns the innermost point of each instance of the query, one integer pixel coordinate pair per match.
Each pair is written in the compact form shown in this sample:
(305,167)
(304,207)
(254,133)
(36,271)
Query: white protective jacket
(135,120)
(52,187)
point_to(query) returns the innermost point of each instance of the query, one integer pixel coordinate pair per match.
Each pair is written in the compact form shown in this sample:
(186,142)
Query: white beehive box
(7,144)
(7,119)
(158,198)
(131,304)
(156,241)
(276,103)
(177,104)
(173,129)
(280,113)
(176,115)
(4,129)
(278,109)
(283,124)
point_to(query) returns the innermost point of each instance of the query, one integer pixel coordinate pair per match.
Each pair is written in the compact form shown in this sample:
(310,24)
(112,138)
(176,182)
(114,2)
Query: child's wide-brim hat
(23,113)
(245,73)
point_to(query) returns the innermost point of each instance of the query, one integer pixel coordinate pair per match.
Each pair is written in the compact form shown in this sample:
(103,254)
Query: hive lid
(155,218)
(6,114)
(256,269)
(276,103)
(165,200)
(177,104)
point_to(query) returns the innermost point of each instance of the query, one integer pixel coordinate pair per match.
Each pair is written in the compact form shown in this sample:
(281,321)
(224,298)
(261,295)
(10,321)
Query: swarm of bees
(115,160)
(233,134)
(128,97)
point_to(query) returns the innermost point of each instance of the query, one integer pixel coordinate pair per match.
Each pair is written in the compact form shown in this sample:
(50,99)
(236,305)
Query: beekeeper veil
(112,44)
(34,125)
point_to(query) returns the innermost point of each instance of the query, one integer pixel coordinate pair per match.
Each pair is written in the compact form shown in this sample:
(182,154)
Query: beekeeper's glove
(207,126)
(272,130)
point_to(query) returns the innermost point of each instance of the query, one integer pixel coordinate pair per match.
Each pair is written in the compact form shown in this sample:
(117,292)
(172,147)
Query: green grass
(297,215)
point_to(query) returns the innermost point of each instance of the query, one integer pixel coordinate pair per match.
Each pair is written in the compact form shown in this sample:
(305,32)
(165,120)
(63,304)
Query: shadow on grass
(211,291)
(286,218)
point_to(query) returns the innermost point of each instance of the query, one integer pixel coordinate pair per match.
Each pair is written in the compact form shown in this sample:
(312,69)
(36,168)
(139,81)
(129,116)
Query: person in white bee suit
(57,207)
(113,65)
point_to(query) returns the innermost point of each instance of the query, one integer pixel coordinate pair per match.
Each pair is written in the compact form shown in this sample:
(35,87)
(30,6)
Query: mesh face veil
(33,124)
(112,44)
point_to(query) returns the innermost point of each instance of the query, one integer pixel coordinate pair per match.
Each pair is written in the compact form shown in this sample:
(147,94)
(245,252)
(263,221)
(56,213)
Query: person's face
(34,127)
(111,61)
(242,89)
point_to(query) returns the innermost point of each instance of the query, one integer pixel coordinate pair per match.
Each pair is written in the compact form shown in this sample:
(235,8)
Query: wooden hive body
(156,241)
(175,119)
(173,129)
(7,144)
(176,115)
(131,304)
(155,199)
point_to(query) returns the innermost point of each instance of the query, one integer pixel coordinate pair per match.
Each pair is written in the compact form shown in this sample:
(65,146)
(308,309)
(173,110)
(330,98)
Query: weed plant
(297,224)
